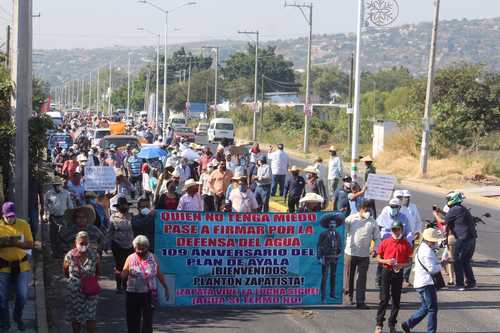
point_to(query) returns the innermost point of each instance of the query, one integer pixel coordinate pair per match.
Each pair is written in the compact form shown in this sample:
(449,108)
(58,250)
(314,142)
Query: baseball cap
(9,209)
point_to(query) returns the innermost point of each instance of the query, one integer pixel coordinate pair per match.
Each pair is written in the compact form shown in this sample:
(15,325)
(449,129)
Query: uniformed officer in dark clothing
(293,189)
(329,249)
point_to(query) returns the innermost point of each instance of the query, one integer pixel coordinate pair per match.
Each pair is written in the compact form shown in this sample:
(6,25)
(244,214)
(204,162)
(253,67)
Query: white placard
(99,178)
(380,187)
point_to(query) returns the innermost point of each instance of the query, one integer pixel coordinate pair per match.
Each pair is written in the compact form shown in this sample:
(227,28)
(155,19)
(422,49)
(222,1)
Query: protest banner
(99,178)
(380,187)
(261,259)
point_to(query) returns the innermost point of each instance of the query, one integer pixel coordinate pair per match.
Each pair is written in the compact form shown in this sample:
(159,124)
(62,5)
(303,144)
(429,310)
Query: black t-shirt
(461,223)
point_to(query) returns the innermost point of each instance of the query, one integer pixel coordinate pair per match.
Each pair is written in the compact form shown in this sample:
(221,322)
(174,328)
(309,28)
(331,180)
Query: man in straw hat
(335,171)
(315,185)
(294,188)
(218,182)
(311,202)
(57,200)
(426,265)
(369,168)
(263,181)
(242,198)
(191,200)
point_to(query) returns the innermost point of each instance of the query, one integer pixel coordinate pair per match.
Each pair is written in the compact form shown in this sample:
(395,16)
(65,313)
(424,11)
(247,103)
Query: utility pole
(262,108)
(349,104)
(7,48)
(357,95)
(424,154)
(110,89)
(157,84)
(21,98)
(255,91)
(128,87)
(216,48)
(98,97)
(189,82)
(90,91)
(307,105)
(83,93)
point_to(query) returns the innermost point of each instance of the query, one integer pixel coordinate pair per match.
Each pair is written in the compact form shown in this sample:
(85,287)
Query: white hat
(395,202)
(82,158)
(214,163)
(398,193)
(432,235)
(312,197)
(405,193)
(311,169)
(239,174)
(190,183)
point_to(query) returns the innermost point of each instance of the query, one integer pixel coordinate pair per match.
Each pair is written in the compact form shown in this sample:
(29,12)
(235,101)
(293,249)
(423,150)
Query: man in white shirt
(56,201)
(361,229)
(426,265)
(279,168)
(335,171)
(242,198)
(191,200)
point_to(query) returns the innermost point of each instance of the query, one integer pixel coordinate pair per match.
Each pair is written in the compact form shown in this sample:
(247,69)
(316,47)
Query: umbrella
(149,152)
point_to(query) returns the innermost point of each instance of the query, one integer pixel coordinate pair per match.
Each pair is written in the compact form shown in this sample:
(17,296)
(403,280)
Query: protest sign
(99,178)
(380,187)
(237,259)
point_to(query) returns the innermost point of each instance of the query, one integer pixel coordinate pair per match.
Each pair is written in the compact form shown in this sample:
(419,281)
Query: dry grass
(401,158)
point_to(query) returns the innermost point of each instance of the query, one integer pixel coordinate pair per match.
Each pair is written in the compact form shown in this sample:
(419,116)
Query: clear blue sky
(102,23)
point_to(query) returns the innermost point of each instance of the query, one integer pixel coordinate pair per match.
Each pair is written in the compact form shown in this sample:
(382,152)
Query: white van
(177,120)
(221,129)
(56,117)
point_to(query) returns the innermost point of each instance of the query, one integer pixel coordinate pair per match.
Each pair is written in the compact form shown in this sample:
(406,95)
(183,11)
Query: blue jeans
(464,250)
(428,307)
(278,180)
(21,288)
(262,195)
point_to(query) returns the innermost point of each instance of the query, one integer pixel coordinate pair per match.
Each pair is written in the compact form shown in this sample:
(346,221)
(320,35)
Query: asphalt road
(474,311)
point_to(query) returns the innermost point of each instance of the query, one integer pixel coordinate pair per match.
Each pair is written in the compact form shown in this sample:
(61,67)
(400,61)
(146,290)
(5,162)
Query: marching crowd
(83,225)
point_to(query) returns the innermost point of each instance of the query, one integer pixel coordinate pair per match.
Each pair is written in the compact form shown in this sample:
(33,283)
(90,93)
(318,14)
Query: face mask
(81,248)
(58,188)
(9,221)
(366,215)
(123,210)
(397,237)
(142,253)
(394,211)
(145,211)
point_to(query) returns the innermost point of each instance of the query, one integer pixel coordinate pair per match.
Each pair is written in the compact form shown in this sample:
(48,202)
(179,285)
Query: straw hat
(394,202)
(70,214)
(90,195)
(294,168)
(190,183)
(239,174)
(312,197)
(432,235)
(332,148)
(311,169)
(367,158)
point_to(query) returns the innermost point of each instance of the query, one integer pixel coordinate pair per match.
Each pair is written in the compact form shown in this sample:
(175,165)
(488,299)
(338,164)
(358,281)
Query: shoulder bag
(436,278)
(89,285)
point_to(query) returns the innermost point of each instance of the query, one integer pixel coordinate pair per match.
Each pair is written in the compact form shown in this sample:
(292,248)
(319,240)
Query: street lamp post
(307,104)
(128,87)
(216,48)
(255,106)
(165,64)
(157,74)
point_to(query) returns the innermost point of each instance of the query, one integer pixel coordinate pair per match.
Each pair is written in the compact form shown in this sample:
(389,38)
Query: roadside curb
(40,302)
(439,190)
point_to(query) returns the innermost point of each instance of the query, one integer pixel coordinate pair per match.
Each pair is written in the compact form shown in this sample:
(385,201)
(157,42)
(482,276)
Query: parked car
(201,129)
(183,133)
(120,141)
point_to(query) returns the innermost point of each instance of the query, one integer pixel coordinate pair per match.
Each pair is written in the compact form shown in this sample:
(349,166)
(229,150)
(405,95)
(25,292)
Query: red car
(183,132)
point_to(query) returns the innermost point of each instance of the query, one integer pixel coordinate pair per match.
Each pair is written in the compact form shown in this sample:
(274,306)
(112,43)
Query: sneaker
(362,306)
(405,328)
(351,301)
(470,286)
(460,288)
(451,283)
